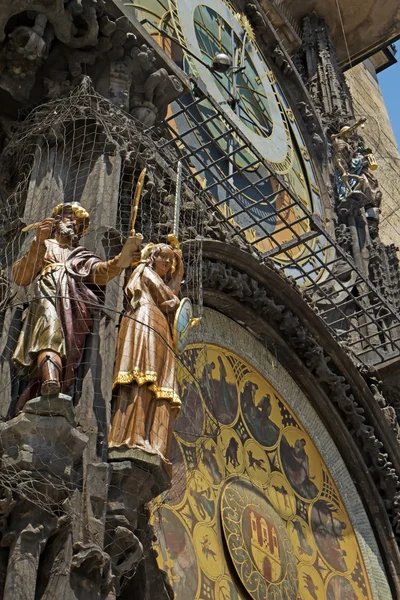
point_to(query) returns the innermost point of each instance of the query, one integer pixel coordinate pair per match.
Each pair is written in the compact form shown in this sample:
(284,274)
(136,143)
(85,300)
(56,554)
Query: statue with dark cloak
(69,285)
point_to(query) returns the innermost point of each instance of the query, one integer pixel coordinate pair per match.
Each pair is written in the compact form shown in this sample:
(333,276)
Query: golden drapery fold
(145,391)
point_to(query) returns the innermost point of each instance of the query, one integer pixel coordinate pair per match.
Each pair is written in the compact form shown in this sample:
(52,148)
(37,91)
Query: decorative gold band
(161,393)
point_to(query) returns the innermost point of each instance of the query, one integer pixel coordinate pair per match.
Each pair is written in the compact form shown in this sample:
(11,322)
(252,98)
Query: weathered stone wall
(378,134)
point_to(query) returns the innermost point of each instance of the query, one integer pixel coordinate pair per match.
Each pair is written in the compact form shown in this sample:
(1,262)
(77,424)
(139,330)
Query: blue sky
(389,80)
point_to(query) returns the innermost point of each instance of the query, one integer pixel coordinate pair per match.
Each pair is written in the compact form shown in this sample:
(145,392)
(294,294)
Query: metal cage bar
(363,298)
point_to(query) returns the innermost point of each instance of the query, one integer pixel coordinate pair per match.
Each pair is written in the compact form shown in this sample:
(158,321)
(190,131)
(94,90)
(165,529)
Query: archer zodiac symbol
(205,548)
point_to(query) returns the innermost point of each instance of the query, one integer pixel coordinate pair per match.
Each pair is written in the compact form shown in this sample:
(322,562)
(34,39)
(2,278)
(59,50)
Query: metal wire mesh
(355,311)
(82,148)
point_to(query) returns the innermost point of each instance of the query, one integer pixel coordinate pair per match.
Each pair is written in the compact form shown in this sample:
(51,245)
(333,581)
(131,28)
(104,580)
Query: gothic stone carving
(133,484)
(292,76)
(76,544)
(318,65)
(351,171)
(312,125)
(37,472)
(29,529)
(52,44)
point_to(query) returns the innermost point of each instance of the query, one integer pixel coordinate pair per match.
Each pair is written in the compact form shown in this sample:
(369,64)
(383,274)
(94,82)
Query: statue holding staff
(68,281)
(146,401)
(145,392)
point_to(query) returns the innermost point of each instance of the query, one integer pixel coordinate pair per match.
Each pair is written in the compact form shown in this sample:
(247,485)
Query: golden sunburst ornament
(245,23)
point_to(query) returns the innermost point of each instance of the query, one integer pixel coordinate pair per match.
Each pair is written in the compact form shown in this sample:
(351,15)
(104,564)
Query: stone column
(38,455)
(31,530)
(133,484)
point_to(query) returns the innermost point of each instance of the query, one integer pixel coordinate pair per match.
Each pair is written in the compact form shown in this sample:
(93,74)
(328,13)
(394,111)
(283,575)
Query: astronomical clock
(251,106)
(261,504)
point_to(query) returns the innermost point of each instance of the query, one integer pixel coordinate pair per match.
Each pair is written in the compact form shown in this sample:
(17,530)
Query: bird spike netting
(82,149)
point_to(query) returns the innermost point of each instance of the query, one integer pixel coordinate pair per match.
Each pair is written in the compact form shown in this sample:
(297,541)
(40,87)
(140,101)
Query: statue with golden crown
(68,281)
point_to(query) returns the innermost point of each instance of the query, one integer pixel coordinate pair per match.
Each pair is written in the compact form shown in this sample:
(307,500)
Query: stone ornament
(67,40)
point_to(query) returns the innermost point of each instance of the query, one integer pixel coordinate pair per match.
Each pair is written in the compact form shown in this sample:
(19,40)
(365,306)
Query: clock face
(254,102)
(253,511)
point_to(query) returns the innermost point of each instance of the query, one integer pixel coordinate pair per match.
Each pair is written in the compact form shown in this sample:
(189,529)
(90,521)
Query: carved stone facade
(46,48)
(63,533)
(358,196)
(73,524)
(88,532)
(318,64)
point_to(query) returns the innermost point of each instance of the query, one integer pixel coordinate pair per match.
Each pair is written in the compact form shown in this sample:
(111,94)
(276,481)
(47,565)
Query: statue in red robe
(68,288)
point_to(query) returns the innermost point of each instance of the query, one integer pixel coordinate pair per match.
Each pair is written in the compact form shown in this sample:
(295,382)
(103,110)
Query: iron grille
(355,311)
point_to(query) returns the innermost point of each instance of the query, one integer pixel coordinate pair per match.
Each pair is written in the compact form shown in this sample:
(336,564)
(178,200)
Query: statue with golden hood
(153,330)
(68,281)
(145,392)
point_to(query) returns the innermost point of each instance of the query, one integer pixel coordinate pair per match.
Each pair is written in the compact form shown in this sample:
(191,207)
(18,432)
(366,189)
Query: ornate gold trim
(166,394)
(126,377)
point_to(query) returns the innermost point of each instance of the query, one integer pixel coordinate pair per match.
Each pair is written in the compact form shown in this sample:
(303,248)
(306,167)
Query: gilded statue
(146,402)
(353,167)
(68,281)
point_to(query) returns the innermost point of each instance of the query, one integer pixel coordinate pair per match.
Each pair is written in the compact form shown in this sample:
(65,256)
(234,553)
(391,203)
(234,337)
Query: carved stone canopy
(46,47)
